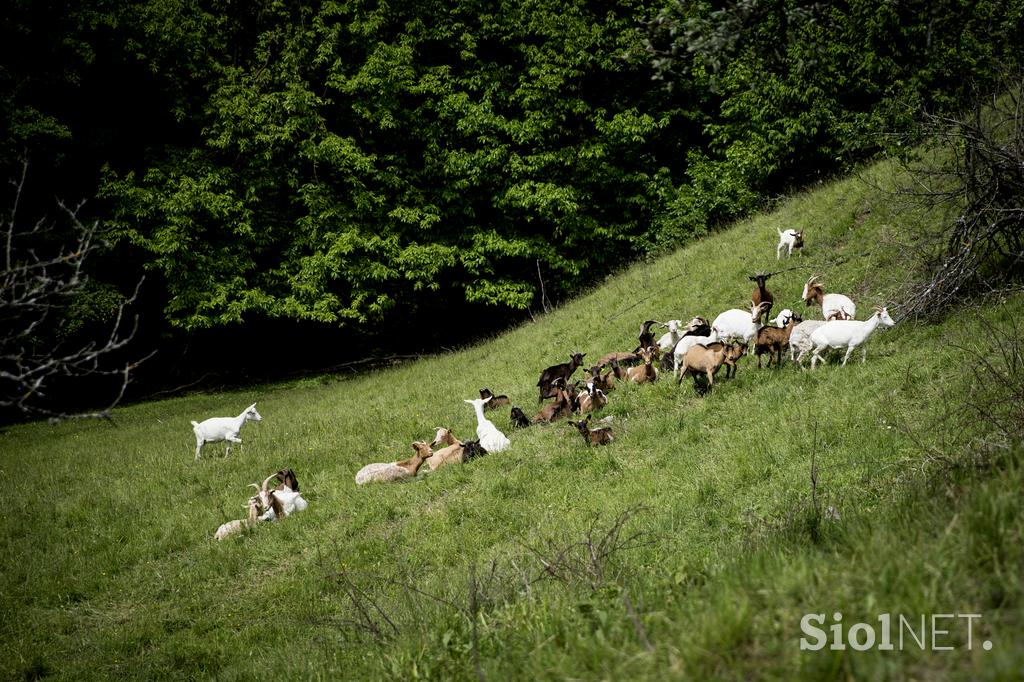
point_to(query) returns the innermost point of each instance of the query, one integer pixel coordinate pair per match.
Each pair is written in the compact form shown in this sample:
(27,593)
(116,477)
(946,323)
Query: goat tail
(195,424)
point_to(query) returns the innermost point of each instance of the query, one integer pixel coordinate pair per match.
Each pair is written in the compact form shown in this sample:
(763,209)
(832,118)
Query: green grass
(109,568)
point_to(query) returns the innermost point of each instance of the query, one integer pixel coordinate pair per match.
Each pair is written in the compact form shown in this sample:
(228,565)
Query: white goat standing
(491,439)
(739,324)
(800,340)
(216,429)
(788,239)
(847,334)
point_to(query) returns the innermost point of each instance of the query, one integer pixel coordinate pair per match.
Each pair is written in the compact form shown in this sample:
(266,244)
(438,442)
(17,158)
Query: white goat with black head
(216,429)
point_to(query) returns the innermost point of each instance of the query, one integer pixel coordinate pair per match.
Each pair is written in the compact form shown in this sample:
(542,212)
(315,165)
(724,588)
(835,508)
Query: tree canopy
(346,162)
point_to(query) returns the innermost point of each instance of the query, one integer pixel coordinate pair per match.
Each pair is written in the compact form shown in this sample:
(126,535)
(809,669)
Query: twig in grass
(641,633)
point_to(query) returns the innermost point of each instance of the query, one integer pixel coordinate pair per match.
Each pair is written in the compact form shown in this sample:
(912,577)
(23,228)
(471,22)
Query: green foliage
(355,153)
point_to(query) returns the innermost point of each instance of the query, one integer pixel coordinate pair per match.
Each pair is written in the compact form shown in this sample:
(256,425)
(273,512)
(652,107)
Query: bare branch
(37,285)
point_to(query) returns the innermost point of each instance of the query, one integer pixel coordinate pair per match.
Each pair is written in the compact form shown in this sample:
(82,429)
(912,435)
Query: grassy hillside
(689,548)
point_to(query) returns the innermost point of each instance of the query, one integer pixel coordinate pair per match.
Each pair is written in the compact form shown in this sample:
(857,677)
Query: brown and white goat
(450,454)
(592,399)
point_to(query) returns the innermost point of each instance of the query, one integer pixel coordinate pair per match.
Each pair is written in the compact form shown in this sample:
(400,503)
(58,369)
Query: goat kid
(495,401)
(599,436)
(772,340)
(788,239)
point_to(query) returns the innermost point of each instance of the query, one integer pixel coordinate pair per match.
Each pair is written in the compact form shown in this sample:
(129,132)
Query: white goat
(782,319)
(847,334)
(739,324)
(669,340)
(490,437)
(833,306)
(788,239)
(217,429)
(800,340)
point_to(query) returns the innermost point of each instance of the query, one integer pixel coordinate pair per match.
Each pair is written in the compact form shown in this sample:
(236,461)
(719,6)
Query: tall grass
(511,567)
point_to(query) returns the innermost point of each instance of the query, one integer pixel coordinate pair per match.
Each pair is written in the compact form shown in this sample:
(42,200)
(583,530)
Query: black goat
(562,371)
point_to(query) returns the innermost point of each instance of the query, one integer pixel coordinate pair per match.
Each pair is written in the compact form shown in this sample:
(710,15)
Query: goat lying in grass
(395,471)
(592,399)
(216,429)
(518,418)
(256,510)
(283,500)
(561,406)
(645,373)
(487,433)
(493,401)
(599,436)
(450,454)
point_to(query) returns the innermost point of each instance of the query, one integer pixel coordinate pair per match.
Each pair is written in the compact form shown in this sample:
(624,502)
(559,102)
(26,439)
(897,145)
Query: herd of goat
(698,348)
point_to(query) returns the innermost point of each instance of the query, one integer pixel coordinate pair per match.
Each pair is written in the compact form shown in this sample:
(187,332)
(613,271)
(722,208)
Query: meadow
(689,548)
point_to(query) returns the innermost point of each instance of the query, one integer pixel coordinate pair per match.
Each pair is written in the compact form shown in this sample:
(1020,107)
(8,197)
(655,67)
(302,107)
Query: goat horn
(267,480)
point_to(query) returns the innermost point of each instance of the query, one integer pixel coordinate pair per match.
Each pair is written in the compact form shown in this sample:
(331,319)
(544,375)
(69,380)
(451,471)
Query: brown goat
(495,400)
(646,372)
(772,340)
(624,358)
(761,294)
(561,406)
(599,436)
(592,399)
(708,359)
(604,382)
(646,338)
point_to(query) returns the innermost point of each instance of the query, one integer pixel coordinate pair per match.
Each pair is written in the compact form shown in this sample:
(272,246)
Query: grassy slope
(109,567)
